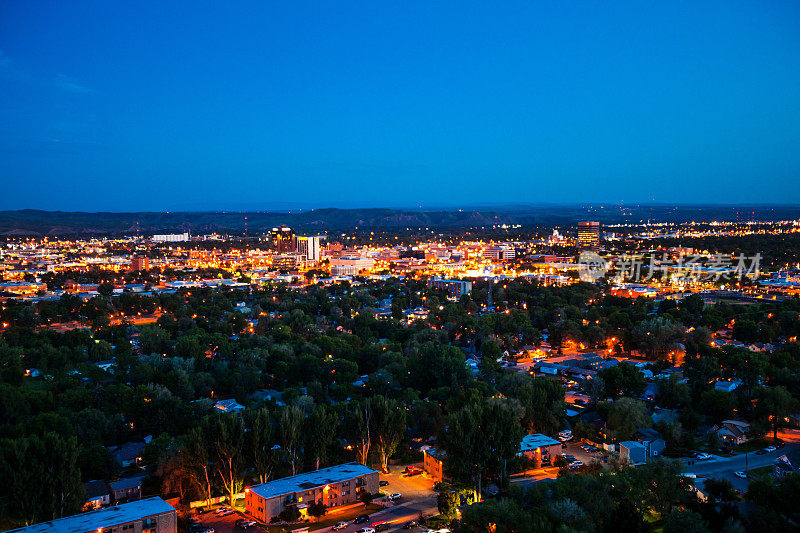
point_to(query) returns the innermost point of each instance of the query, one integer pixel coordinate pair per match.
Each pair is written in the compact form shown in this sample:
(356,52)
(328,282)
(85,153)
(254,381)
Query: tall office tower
(283,239)
(589,235)
(311,246)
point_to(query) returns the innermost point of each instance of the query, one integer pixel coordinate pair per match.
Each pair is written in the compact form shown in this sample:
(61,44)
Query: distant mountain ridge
(32,222)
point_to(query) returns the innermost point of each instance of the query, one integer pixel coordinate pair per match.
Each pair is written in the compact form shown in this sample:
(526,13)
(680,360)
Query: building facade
(171,237)
(433,463)
(333,486)
(139,263)
(311,247)
(455,288)
(588,235)
(152,515)
(283,239)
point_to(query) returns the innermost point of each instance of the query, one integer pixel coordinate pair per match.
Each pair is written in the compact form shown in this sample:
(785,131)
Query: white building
(171,237)
(311,246)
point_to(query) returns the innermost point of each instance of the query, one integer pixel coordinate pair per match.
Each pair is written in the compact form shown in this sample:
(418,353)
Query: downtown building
(311,247)
(588,235)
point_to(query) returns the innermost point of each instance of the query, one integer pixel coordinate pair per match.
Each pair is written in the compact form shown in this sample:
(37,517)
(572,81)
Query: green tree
(226,434)
(389,426)
(624,379)
(626,416)
(105,289)
(317,509)
(40,476)
(260,444)
(291,433)
(775,405)
(685,521)
(480,438)
(320,430)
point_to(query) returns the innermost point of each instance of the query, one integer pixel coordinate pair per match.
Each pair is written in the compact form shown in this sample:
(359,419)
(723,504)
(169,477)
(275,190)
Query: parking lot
(574,448)
(222,524)
(411,487)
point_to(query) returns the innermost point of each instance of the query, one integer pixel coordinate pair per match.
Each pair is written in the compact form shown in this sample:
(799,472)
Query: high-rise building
(588,235)
(311,246)
(140,262)
(283,239)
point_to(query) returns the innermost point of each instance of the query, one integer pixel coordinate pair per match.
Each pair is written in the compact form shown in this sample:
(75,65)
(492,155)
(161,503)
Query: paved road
(724,467)
(398,515)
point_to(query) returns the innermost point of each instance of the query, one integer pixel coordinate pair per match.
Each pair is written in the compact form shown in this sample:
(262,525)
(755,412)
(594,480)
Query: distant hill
(31,222)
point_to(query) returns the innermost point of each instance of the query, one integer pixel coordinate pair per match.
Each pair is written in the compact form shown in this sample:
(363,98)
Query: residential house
(727,386)
(537,446)
(128,454)
(733,432)
(127,489)
(632,452)
(228,406)
(97,495)
(651,440)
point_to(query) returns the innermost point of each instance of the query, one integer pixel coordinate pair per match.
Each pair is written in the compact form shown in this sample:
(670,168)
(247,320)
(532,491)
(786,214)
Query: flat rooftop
(102,518)
(536,440)
(310,480)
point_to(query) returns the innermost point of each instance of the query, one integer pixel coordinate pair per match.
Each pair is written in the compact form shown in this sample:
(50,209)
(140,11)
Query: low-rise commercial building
(333,486)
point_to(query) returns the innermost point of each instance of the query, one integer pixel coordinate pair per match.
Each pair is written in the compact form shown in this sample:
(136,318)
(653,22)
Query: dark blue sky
(190,105)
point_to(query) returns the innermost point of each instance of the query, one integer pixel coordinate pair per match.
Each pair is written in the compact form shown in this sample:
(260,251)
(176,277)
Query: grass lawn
(759,472)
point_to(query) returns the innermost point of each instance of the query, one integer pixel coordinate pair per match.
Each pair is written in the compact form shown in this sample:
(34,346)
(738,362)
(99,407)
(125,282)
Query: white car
(340,525)
(227,512)
(395,496)
(366,530)
(222,510)
(703,456)
(770,449)
(740,474)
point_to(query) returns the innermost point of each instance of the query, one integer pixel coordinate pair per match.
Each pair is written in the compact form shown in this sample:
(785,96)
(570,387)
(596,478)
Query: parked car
(395,496)
(702,456)
(340,525)
(740,474)
(761,452)
(410,524)
(383,526)
(770,449)
(200,528)
(366,530)
(221,510)
(245,523)
(576,464)
(382,483)
(361,519)
(227,512)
